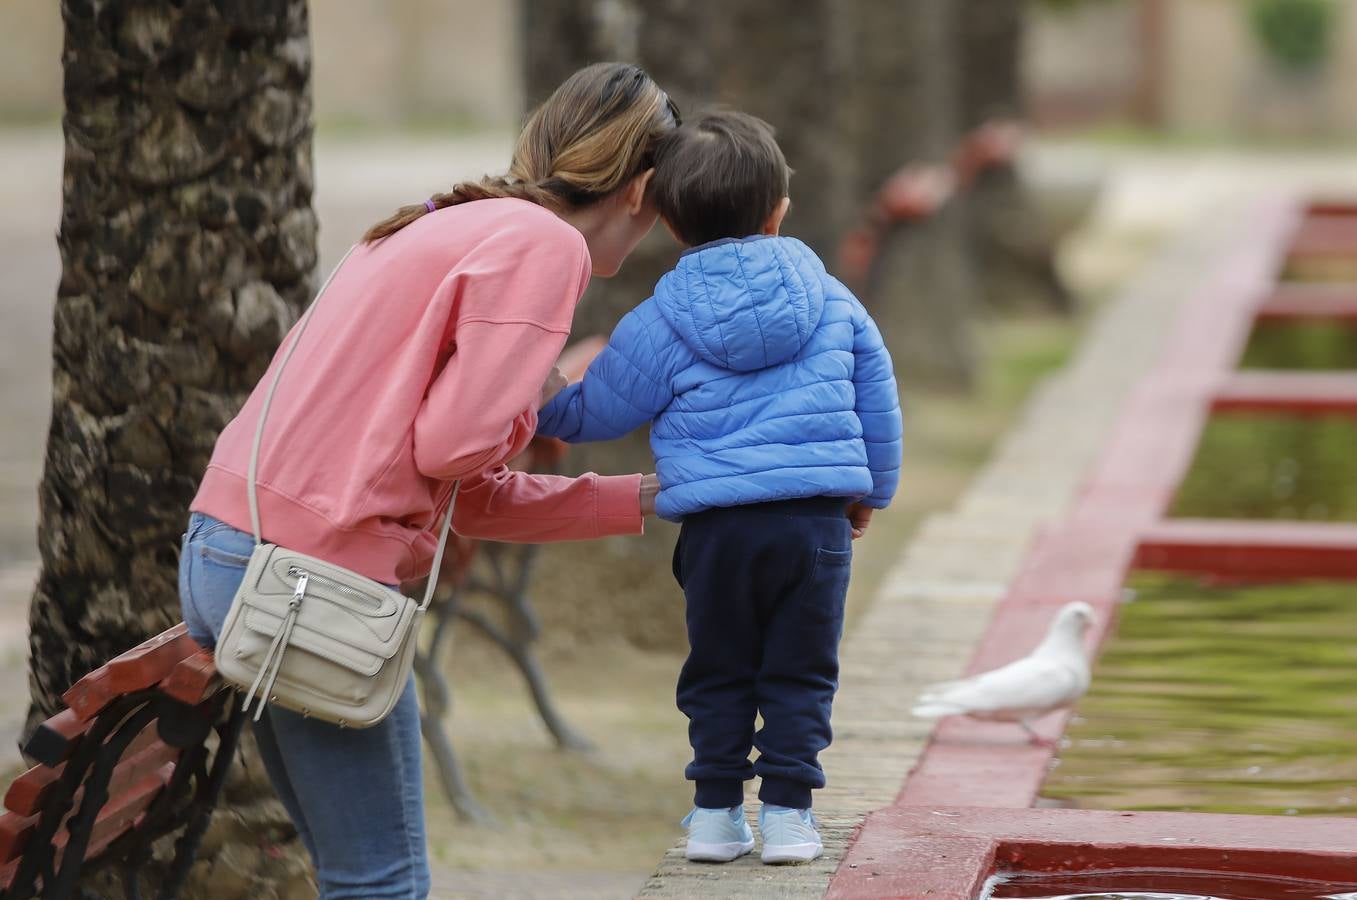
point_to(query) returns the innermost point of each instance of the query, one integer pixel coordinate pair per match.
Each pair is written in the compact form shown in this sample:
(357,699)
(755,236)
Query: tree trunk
(1014,248)
(789,68)
(921,288)
(187,243)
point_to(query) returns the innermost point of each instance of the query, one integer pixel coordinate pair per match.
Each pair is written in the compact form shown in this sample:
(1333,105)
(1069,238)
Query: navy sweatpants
(765,586)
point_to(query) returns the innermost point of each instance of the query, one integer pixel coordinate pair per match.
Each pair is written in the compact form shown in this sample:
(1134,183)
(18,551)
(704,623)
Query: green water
(1221,699)
(1273,467)
(1302,345)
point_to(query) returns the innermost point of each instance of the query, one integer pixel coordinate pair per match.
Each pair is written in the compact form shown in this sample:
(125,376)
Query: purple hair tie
(430,205)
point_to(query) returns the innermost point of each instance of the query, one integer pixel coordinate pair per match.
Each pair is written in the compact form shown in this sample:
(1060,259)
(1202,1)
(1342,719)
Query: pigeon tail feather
(937,710)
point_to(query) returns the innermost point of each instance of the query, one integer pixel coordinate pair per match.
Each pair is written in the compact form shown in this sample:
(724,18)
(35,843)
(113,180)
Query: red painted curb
(1309,302)
(1295,393)
(1250,550)
(923,848)
(947,853)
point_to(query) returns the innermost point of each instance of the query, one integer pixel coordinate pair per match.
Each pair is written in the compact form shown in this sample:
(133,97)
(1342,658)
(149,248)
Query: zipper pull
(300,592)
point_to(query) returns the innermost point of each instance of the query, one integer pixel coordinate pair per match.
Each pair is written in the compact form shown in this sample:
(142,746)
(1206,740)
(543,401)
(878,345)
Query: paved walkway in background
(934,604)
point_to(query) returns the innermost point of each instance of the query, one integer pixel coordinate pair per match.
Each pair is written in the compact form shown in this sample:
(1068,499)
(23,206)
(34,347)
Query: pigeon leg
(1034,738)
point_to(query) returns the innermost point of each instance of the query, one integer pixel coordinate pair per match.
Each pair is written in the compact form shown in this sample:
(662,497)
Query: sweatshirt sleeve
(511,324)
(482,409)
(502,504)
(877,407)
(624,388)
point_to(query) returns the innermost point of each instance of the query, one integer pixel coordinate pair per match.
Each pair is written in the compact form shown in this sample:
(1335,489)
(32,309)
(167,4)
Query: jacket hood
(745,304)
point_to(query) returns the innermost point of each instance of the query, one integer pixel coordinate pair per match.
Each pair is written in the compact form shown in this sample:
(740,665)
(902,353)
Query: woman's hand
(859,517)
(554,384)
(650,486)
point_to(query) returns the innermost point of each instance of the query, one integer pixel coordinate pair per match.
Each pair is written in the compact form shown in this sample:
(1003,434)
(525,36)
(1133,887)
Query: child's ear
(635,196)
(774,220)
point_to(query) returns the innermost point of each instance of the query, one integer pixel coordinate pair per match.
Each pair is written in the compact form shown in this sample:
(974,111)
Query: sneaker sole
(697,852)
(792,853)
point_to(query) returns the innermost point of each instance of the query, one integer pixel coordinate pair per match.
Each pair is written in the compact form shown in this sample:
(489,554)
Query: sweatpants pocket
(826,589)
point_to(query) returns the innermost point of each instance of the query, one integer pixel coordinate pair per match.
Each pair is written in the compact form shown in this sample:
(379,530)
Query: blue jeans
(355,795)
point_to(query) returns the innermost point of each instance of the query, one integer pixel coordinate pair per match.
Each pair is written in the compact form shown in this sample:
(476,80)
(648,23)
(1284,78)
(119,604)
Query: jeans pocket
(216,559)
(224,557)
(221,544)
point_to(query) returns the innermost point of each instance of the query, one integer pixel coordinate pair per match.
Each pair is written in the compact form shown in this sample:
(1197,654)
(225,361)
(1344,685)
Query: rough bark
(187,243)
(790,69)
(614,586)
(1014,248)
(905,96)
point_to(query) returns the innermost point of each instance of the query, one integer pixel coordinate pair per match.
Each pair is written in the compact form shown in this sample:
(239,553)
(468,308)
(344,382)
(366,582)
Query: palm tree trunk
(783,62)
(921,289)
(1014,248)
(187,244)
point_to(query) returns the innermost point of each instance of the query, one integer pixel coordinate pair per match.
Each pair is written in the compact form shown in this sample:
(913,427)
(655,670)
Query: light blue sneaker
(717,835)
(789,835)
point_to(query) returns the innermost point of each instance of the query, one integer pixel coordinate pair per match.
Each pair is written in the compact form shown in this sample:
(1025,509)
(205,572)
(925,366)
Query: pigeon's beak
(1083,615)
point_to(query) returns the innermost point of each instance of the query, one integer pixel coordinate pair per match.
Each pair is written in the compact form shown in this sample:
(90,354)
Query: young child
(776,433)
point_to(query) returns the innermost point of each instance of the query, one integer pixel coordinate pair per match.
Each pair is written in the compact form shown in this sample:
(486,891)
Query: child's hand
(650,486)
(859,517)
(554,384)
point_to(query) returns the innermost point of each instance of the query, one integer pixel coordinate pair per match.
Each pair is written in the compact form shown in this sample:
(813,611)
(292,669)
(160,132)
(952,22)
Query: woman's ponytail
(598,130)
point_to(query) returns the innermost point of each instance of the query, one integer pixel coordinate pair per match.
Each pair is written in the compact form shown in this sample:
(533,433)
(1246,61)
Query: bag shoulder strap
(259,439)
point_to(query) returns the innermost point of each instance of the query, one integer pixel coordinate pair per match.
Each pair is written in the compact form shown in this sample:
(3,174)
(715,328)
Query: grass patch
(1305,345)
(1220,699)
(1273,467)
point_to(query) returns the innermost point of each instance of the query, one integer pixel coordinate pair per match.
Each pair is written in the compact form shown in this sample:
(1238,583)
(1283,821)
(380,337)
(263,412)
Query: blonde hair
(596,132)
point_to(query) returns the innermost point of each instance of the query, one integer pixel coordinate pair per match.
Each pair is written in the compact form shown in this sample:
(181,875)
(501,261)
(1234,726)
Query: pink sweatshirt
(423,364)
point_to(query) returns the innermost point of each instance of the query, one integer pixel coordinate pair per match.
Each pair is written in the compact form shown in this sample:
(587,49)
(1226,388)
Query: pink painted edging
(1250,550)
(1085,557)
(947,853)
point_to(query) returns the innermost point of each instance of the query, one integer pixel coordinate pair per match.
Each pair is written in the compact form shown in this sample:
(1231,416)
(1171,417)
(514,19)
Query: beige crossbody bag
(314,637)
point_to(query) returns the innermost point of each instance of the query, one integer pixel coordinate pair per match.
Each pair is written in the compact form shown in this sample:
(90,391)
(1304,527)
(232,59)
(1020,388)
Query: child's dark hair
(719,176)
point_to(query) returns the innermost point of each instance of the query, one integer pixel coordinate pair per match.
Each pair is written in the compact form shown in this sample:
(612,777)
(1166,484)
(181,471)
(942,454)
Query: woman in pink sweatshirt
(426,364)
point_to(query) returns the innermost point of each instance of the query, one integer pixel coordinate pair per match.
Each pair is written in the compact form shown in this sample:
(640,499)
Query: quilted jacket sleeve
(627,385)
(877,406)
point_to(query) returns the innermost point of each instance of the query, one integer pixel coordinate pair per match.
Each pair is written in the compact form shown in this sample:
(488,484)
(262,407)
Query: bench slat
(28,792)
(53,741)
(115,817)
(138,669)
(193,680)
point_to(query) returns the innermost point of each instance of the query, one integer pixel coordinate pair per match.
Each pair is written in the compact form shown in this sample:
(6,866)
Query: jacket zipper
(342,589)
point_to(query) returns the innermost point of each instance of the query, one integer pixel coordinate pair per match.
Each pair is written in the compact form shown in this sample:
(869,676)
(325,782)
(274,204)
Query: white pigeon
(1051,677)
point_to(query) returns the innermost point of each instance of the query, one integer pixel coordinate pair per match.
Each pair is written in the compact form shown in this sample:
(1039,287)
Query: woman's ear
(774,220)
(635,195)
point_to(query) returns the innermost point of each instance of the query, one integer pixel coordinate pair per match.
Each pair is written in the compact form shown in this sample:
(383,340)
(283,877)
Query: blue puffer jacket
(764,376)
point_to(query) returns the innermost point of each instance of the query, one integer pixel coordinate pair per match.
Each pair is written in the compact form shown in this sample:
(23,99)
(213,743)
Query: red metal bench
(125,763)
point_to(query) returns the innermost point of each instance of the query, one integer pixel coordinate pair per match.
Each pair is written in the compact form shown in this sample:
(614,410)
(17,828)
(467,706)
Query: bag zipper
(352,593)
